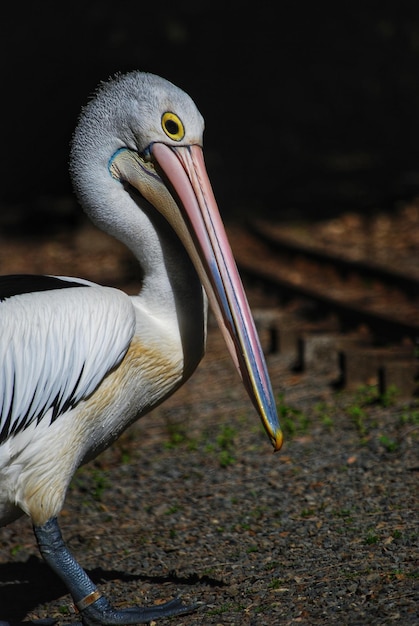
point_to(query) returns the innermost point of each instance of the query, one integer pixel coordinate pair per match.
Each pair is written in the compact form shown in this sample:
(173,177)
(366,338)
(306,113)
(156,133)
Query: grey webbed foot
(94,608)
(101,613)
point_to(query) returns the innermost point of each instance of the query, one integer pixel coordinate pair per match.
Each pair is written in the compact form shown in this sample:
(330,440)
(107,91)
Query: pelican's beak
(201,230)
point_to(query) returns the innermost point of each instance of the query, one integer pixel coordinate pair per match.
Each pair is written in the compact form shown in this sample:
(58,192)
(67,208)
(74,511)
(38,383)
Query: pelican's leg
(93,607)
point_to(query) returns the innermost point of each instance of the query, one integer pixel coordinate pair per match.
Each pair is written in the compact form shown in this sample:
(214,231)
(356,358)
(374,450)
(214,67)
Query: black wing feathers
(17,284)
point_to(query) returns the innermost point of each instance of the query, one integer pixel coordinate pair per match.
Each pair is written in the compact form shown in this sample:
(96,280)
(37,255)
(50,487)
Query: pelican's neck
(171,294)
(170,282)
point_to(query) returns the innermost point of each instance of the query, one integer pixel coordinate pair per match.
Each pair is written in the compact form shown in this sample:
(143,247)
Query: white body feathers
(92,364)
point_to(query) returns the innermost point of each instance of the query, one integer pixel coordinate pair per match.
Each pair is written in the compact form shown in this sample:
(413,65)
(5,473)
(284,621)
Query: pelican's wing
(57,343)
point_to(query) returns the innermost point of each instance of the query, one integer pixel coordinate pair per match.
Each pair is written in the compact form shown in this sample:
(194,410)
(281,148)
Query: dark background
(310,109)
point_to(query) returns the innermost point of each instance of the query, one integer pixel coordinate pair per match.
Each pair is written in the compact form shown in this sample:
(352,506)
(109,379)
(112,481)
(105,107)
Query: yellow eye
(172,126)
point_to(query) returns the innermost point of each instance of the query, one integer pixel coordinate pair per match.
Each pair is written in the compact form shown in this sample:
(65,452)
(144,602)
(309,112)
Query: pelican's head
(153,141)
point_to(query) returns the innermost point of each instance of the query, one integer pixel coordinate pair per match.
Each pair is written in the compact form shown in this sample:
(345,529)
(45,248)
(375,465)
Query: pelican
(80,362)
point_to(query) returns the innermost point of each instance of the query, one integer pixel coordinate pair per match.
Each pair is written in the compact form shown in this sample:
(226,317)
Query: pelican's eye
(172,126)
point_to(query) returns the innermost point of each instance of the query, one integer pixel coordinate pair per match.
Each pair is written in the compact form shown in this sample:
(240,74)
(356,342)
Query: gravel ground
(192,501)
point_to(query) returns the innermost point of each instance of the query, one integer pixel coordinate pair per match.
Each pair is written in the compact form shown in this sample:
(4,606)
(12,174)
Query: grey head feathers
(127,110)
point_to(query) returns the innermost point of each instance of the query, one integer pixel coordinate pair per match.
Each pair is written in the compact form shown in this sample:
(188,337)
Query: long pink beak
(184,168)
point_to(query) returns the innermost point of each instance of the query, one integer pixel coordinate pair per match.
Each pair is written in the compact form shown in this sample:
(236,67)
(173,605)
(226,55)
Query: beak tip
(277,440)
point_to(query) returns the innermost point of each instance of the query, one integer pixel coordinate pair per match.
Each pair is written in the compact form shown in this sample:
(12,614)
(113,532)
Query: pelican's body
(130,361)
(80,362)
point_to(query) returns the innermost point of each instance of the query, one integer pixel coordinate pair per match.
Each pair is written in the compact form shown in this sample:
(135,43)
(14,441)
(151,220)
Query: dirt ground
(192,502)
